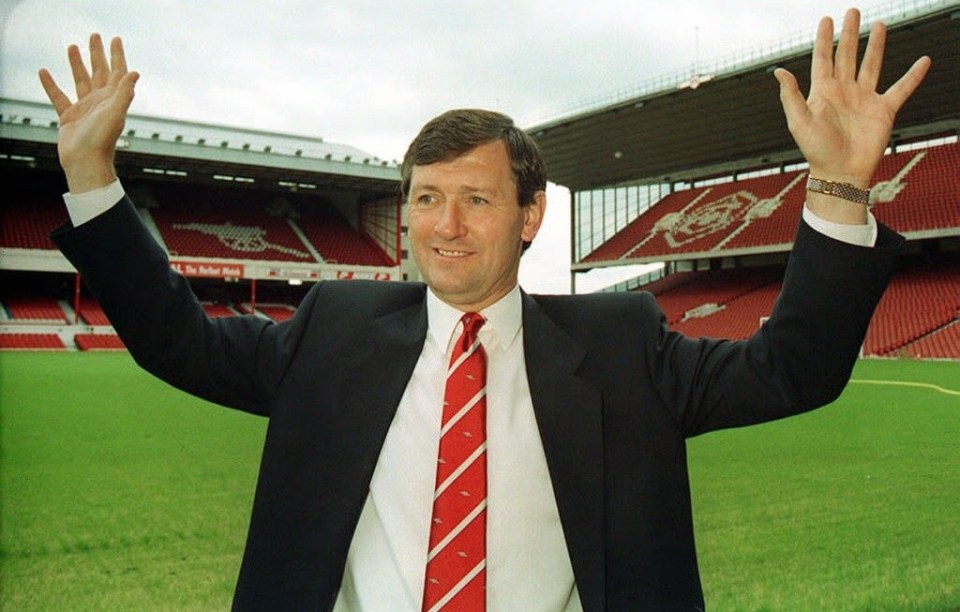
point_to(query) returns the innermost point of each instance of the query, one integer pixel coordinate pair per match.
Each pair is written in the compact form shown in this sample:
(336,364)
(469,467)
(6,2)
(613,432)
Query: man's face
(467,228)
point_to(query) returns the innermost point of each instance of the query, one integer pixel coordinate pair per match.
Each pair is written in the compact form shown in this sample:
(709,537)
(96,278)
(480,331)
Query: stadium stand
(34,310)
(31,342)
(25,224)
(704,218)
(941,344)
(919,190)
(31,208)
(919,300)
(738,320)
(918,314)
(91,313)
(777,227)
(202,221)
(666,283)
(716,214)
(914,191)
(336,241)
(99,342)
(277,312)
(218,310)
(642,227)
(713,289)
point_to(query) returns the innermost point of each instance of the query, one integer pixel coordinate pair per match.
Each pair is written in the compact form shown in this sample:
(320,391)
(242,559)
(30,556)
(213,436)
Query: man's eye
(425,199)
(477,200)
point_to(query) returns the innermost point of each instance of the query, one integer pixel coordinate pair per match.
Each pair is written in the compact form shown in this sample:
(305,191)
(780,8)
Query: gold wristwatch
(840,190)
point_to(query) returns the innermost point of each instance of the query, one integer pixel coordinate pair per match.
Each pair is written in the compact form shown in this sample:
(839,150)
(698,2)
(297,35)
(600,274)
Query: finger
(821,66)
(81,78)
(794,105)
(59,99)
(873,57)
(118,60)
(98,61)
(845,65)
(899,92)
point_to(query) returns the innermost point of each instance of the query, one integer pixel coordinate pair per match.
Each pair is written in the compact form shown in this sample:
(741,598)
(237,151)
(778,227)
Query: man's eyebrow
(423,187)
(460,189)
(472,189)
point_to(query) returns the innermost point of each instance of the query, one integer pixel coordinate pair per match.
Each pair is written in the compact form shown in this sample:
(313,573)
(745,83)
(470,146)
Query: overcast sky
(369,74)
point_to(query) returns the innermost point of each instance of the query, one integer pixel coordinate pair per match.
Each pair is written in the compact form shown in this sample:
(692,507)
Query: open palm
(90,127)
(843,127)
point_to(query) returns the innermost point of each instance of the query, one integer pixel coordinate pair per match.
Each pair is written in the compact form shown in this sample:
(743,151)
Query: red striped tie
(456,562)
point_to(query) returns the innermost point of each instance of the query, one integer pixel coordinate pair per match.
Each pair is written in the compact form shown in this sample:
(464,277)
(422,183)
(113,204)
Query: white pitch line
(903,383)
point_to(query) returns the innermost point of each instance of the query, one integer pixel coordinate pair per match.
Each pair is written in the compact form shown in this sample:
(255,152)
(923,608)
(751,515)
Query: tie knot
(472,322)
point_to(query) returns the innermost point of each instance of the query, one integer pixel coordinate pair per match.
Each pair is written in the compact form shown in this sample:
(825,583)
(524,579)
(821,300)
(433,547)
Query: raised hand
(844,124)
(90,127)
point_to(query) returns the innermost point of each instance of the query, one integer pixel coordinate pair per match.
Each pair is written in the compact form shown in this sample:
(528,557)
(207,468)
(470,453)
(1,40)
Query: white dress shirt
(528,566)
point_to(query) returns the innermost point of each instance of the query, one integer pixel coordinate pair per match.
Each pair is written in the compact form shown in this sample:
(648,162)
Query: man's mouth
(447,253)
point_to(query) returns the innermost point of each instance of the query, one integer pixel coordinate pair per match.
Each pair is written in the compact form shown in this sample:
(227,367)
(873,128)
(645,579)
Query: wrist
(87,176)
(836,210)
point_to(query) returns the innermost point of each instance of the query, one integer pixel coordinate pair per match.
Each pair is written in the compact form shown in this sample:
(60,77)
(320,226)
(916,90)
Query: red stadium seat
(918,301)
(99,342)
(713,287)
(34,310)
(32,342)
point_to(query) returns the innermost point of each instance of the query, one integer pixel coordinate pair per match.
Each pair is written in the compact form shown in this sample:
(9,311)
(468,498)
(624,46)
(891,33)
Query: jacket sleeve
(233,361)
(801,358)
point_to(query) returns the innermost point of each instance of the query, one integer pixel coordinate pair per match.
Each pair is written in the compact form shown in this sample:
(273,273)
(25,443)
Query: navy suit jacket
(615,393)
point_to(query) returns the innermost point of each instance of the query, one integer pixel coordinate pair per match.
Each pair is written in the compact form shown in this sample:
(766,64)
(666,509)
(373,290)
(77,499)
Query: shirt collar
(501,330)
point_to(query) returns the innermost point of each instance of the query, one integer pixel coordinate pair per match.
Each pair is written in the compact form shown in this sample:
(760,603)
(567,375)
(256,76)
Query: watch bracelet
(845,191)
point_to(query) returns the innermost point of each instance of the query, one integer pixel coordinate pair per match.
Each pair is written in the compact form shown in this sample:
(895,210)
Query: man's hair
(455,132)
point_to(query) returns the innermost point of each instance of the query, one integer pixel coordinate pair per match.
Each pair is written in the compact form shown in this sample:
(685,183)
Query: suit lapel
(320,465)
(380,373)
(569,415)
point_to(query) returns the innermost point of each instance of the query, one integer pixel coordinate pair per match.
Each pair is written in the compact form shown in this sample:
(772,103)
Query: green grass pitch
(120,493)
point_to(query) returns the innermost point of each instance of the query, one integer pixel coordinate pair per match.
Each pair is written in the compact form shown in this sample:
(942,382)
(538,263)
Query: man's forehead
(477,167)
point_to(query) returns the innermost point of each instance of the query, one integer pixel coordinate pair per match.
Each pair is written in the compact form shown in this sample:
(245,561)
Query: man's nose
(449,224)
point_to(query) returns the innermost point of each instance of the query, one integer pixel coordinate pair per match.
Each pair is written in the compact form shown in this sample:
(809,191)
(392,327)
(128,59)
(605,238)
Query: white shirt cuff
(858,235)
(83,207)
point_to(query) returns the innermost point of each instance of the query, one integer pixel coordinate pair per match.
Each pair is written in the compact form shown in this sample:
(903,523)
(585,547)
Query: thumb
(119,103)
(126,87)
(794,105)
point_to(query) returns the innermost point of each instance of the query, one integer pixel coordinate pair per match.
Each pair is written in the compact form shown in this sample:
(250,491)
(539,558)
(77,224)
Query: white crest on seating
(246,239)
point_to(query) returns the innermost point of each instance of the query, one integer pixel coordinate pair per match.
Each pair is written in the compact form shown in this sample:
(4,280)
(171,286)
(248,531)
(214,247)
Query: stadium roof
(713,124)
(187,151)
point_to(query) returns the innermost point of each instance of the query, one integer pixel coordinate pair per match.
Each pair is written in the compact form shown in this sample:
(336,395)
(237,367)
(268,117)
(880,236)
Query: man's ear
(533,216)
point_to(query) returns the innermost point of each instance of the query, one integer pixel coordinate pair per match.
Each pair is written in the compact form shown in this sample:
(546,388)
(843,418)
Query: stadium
(696,173)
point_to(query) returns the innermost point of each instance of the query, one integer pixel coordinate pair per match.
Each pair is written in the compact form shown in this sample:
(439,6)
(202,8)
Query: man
(583,497)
